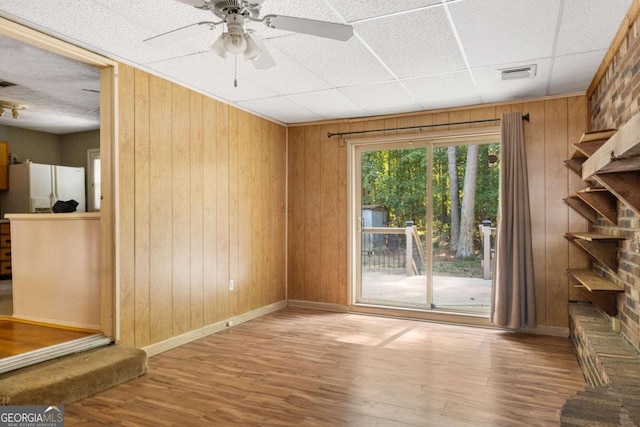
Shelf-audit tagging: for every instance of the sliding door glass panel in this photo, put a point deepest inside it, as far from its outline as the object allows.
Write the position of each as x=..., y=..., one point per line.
x=465, y=201
x=393, y=211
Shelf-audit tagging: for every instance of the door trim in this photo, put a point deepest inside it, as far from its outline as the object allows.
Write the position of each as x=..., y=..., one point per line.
x=484, y=134
x=108, y=146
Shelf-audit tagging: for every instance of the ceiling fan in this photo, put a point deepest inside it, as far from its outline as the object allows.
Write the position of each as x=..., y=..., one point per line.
x=237, y=39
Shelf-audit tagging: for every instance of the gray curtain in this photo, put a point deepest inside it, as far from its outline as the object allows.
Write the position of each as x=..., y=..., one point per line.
x=513, y=291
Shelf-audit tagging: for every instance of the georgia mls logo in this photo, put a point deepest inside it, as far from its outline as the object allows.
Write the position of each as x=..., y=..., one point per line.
x=31, y=416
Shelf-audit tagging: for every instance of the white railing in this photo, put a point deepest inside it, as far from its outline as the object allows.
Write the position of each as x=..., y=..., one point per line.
x=486, y=231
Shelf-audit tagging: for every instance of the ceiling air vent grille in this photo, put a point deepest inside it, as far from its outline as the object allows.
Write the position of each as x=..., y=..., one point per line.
x=524, y=72
x=6, y=84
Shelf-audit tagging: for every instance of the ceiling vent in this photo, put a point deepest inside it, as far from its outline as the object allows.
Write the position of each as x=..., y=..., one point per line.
x=524, y=72
x=6, y=84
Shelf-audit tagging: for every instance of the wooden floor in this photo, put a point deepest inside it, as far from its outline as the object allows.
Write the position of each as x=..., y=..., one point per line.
x=19, y=337
x=310, y=368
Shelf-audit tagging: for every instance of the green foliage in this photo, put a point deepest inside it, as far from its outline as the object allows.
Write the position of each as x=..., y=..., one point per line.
x=397, y=180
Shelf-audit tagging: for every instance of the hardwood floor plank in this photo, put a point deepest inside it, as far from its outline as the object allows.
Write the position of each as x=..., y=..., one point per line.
x=18, y=337
x=310, y=368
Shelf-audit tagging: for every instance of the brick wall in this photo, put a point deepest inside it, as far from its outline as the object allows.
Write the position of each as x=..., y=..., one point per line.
x=615, y=100
x=617, y=96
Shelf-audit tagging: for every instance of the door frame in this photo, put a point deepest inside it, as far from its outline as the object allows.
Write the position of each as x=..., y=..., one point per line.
x=108, y=148
x=485, y=134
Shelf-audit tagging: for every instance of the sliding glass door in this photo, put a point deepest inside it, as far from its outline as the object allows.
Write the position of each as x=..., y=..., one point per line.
x=426, y=216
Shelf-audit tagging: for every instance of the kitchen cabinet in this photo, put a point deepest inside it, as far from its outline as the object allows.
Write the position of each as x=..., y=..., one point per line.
x=5, y=249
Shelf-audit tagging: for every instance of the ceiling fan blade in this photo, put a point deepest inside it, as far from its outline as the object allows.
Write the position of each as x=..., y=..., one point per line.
x=194, y=3
x=179, y=34
x=325, y=29
x=264, y=60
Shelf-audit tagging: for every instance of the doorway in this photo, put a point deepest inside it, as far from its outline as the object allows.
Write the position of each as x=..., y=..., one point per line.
x=424, y=217
x=106, y=72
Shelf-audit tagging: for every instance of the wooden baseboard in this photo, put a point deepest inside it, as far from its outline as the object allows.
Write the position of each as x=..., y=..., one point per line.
x=554, y=331
x=318, y=306
x=187, y=337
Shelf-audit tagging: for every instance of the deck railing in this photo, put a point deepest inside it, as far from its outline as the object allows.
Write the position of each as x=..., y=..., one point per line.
x=390, y=248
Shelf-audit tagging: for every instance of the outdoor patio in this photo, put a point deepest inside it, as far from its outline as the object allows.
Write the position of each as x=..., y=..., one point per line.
x=464, y=294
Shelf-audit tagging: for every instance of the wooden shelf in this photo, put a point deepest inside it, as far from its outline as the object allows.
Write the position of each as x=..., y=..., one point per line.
x=600, y=291
x=600, y=247
x=598, y=135
x=575, y=162
x=592, y=202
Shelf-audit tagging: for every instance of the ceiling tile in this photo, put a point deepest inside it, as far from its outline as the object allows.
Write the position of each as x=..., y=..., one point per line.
x=382, y=98
x=338, y=63
x=416, y=44
x=279, y=78
x=573, y=73
x=203, y=73
x=492, y=89
x=92, y=26
x=352, y=10
x=499, y=32
x=589, y=24
x=444, y=90
x=329, y=104
x=280, y=109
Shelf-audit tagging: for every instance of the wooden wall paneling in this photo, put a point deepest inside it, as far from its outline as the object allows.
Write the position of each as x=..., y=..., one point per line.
x=126, y=201
x=312, y=214
x=281, y=142
x=265, y=193
x=222, y=210
x=295, y=214
x=181, y=208
x=456, y=117
x=577, y=125
x=160, y=225
x=245, y=212
x=342, y=236
x=557, y=212
x=142, y=209
x=329, y=211
x=535, y=147
x=209, y=132
x=196, y=222
x=257, y=213
x=234, y=254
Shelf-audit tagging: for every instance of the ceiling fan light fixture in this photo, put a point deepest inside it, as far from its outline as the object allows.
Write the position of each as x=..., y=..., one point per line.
x=234, y=43
x=252, y=51
x=219, y=48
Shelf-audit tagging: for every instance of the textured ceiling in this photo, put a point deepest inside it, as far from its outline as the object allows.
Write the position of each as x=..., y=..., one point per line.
x=405, y=56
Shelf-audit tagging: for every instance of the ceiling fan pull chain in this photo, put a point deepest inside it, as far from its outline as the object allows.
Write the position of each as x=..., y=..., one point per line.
x=235, y=70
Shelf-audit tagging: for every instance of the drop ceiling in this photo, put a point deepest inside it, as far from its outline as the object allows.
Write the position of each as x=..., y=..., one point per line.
x=405, y=56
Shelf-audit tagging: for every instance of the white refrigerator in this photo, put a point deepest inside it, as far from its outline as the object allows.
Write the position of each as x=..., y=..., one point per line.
x=34, y=187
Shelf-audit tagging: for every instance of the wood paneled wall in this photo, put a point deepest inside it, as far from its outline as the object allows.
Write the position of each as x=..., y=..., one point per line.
x=318, y=208
x=202, y=196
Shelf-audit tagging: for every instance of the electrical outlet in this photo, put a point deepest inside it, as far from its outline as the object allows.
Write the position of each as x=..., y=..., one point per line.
x=232, y=285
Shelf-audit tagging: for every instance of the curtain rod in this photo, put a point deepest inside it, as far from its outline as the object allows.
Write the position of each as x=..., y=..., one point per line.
x=330, y=134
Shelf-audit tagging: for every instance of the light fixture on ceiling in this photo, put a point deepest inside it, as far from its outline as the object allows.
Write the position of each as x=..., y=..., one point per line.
x=15, y=108
x=236, y=40
x=521, y=72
